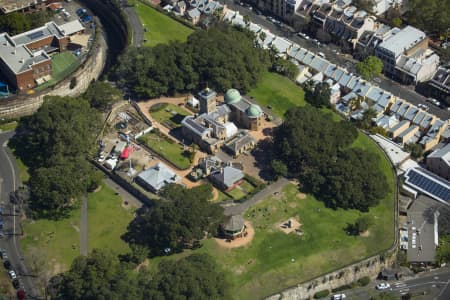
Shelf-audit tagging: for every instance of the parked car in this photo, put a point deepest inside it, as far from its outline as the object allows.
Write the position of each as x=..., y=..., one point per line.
x=21, y=294
x=7, y=264
x=16, y=283
x=12, y=274
x=338, y=297
x=3, y=254
x=321, y=54
x=383, y=286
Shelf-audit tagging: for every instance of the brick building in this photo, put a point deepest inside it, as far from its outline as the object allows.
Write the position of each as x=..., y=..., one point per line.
x=24, y=58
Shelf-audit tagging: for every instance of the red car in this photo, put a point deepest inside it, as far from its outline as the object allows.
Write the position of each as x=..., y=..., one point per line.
x=20, y=295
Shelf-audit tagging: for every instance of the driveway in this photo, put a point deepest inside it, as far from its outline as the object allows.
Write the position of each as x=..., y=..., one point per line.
x=9, y=182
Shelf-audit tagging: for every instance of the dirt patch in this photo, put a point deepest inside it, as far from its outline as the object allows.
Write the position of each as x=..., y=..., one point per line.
x=365, y=233
x=98, y=189
x=143, y=264
x=301, y=195
x=292, y=205
x=290, y=225
x=239, y=242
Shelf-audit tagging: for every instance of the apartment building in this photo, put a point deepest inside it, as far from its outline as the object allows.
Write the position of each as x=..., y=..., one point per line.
x=406, y=56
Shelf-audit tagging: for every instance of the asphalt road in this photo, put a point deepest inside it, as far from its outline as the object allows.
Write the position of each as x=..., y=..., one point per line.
x=135, y=23
x=11, y=228
x=405, y=92
x=431, y=285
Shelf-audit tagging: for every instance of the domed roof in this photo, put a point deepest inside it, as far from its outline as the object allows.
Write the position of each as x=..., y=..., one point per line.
x=232, y=96
x=254, y=111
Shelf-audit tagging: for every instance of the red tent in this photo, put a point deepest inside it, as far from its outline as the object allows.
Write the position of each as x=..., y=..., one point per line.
x=125, y=153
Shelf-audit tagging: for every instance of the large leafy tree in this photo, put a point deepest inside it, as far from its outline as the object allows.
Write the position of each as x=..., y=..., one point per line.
x=101, y=95
x=432, y=16
x=318, y=95
x=370, y=67
x=16, y=22
x=194, y=277
x=317, y=150
x=220, y=57
x=181, y=218
x=54, y=143
x=99, y=276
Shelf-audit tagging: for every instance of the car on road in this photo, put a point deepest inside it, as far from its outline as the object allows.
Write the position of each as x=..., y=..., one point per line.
x=383, y=286
x=321, y=54
x=7, y=264
x=338, y=297
x=12, y=274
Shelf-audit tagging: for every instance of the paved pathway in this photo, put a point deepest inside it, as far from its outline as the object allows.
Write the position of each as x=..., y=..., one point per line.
x=84, y=228
x=236, y=209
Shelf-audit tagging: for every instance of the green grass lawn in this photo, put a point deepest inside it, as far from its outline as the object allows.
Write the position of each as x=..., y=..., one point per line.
x=56, y=243
x=106, y=234
x=23, y=171
x=222, y=197
x=236, y=193
x=161, y=29
x=8, y=126
x=266, y=266
x=168, y=149
x=170, y=116
x=279, y=92
x=62, y=65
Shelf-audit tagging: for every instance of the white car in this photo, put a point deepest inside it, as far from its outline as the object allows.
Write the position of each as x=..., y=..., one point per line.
x=338, y=297
x=12, y=274
x=383, y=286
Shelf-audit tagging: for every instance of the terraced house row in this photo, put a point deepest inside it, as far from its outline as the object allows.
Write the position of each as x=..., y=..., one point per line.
x=353, y=95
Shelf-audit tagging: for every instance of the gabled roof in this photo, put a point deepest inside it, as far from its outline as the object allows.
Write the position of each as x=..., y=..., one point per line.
x=282, y=45
x=319, y=64
x=228, y=175
x=158, y=176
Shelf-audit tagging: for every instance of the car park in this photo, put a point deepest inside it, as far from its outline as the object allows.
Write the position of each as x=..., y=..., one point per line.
x=383, y=286
x=12, y=274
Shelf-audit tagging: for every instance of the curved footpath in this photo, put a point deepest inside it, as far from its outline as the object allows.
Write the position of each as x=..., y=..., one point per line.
x=9, y=182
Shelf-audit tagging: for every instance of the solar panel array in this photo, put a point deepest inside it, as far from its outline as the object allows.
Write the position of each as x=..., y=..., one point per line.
x=35, y=35
x=430, y=185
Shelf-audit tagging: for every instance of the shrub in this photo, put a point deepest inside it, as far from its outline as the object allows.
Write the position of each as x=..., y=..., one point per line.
x=73, y=83
x=364, y=281
x=341, y=288
x=158, y=107
x=321, y=294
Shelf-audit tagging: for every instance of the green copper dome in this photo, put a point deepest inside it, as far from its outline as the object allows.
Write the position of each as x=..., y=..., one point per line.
x=254, y=111
x=232, y=96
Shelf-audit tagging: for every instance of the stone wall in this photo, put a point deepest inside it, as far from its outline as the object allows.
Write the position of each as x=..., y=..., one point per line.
x=368, y=267
x=89, y=70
